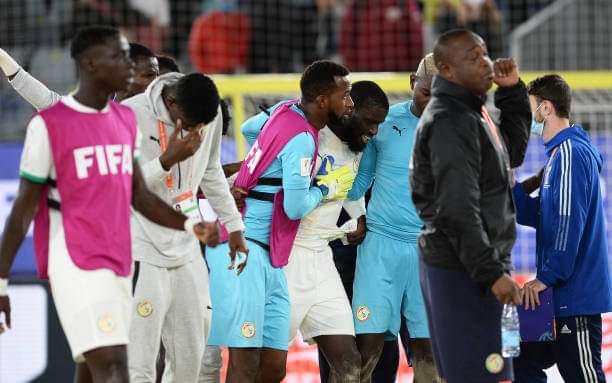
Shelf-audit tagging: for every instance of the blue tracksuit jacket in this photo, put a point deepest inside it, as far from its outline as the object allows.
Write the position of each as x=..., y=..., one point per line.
x=569, y=217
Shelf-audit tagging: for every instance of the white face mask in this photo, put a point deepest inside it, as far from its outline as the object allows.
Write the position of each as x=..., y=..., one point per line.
x=537, y=128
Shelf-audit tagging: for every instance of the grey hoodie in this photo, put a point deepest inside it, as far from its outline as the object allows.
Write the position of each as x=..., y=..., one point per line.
x=153, y=243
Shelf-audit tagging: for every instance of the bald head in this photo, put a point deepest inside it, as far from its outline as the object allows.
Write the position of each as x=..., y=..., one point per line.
x=445, y=47
x=461, y=57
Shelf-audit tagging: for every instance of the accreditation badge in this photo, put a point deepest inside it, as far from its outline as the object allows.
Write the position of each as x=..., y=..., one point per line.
x=186, y=204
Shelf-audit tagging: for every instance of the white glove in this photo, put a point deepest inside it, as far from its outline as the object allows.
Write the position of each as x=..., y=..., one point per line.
x=8, y=64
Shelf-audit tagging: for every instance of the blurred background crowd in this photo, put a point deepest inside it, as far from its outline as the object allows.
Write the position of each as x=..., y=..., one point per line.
x=273, y=36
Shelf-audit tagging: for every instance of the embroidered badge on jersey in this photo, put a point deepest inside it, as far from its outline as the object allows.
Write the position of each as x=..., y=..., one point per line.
x=362, y=314
x=144, y=308
x=247, y=330
x=106, y=323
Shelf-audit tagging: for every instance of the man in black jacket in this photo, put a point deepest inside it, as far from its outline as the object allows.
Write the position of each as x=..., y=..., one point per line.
x=460, y=182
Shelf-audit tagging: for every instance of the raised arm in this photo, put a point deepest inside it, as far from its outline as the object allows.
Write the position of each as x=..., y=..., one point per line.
x=28, y=87
x=512, y=100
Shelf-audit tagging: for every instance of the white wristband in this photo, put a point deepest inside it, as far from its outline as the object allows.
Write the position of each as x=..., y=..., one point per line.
x=3, y=286
x=190, y=224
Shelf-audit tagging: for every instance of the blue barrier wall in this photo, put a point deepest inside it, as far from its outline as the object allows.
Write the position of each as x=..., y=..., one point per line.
x=524, y=251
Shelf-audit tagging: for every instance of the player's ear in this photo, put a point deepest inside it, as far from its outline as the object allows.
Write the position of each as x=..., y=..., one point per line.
x=412, y=80
x=322, y=101
x=446, y=70
x=87, y=63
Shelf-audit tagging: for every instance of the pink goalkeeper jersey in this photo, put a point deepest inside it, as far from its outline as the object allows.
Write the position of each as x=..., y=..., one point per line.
x=92, y=154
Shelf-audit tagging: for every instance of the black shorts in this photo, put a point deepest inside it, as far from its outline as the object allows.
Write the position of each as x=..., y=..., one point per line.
x=576, y=352
x=465, y=327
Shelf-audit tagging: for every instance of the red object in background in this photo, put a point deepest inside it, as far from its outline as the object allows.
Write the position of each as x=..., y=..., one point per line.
x=381, y=35
x=219, y=42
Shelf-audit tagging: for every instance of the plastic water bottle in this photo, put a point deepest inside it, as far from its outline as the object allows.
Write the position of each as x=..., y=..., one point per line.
x=510, y=332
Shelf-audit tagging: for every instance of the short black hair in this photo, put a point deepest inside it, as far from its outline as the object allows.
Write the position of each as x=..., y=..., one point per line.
x=553, y=88
x=138, y=51
x=440, y=50
x=226, y=114
x=198, y=97
x=368, y=94
x=319, y=78
x=88, y=37
x=167, y=64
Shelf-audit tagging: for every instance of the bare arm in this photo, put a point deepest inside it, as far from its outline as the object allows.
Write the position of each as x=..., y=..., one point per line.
x=22, y=213
x=231, y=169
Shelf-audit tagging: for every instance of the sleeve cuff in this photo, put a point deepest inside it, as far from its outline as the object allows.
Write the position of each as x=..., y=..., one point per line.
x=234, y=224
x=511, y=91
x=17, y=81
x=32, y=178
x=544, y=279
x=518, y=190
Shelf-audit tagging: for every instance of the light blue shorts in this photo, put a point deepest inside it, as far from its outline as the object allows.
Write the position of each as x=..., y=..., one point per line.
x=251, y=309
x=387, y=286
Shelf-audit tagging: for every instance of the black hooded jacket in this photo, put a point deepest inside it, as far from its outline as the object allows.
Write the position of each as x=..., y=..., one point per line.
x=461, y=179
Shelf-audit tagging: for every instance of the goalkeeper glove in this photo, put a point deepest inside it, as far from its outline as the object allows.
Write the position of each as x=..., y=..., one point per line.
x=335, y=184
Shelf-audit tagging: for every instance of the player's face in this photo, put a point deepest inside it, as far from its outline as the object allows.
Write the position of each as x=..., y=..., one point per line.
x=364, y=125
x=340, y=103
x=111, y=65
x=470, y=64
x=146, y=69
x=421, y=92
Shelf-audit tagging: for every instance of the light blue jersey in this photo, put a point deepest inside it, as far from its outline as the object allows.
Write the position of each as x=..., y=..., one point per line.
x=292, y=165
x=385, y=161
x=386, y=285
x=252, y=127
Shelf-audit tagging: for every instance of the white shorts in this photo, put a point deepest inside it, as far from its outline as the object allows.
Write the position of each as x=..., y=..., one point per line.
x=93, y=305
x=319, y=305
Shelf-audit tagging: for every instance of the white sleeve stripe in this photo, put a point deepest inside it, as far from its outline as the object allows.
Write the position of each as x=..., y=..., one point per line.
x=568, y=202
x=565, y=196
x=562, y=231
x=563, y=181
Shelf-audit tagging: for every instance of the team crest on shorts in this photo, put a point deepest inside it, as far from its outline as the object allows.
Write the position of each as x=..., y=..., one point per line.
x=362, y=313
x=144, y=308
x=106, y=323
x=494, y=363
x=247, y=330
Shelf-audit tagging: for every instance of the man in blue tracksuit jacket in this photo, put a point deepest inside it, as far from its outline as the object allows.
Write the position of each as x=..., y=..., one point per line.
x=572, y=248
